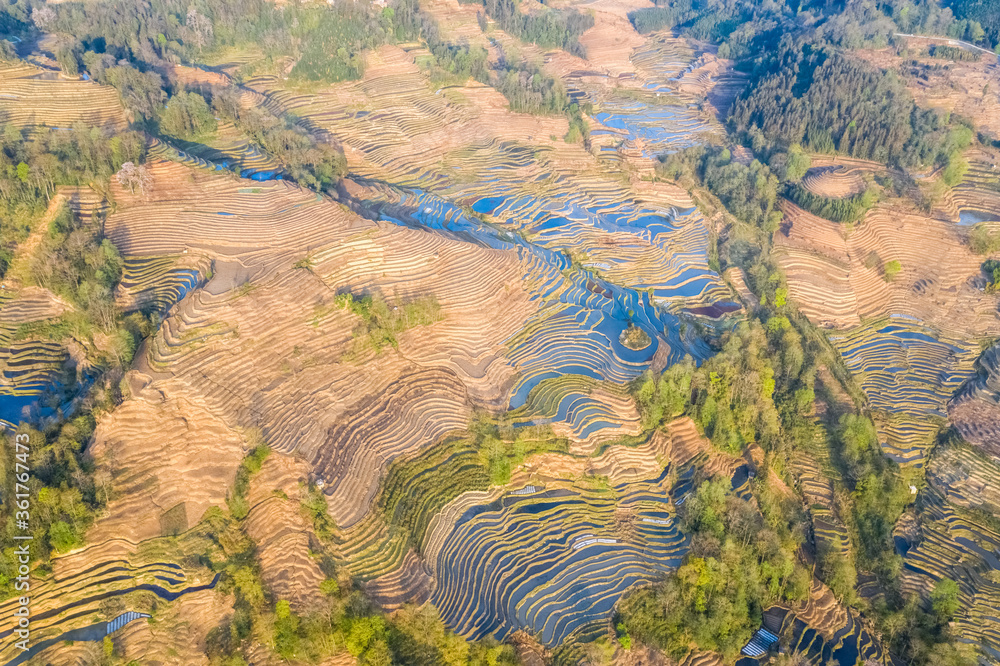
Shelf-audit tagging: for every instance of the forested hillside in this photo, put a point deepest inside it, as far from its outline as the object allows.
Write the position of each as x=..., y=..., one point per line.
x=745, y=29
x=827, y=101
x=983, y=20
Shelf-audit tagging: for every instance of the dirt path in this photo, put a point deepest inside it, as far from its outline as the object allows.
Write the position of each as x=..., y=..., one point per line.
x=19, y=271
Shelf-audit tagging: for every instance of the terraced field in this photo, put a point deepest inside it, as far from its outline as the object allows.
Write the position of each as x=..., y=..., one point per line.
x=538, y=256
x=587, y=529
x=977, y=198
x=961, y=546
x=23, y=88
x=585, y=411
x=552, y=560
x=911, y=338
x=149, y=577
x=837, y=276
x=530, y=260
x=158, y=282
x=233, y=222
x=640, y=250
x=909, y=372
x=833, y=182
x=975, y=410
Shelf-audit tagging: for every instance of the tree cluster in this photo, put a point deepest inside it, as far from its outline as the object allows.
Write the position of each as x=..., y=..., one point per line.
x=307, y=160
x=380, y=322
x=744, y=29
x=847, y=209
x=459, y=61
x=32, y=168
x=738, y=566
x=740, y=27
x=955, y=53
x=829, y=102
x=530, y=90
x=15, y=17
x=66, y=497
x=748, y=192
x=660, y=17
x=74, y=262
x=187, y=116
x=549, y=28
x=980, y=20
x=141, y=91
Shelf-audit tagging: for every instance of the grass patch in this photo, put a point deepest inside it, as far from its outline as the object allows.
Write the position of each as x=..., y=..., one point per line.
x=381, y=322
x=985, y=238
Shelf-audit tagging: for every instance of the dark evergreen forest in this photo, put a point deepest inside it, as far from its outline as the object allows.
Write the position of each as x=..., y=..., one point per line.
x=830, y=102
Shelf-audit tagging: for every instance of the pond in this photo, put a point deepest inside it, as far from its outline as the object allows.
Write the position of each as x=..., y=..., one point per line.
x=968, y=217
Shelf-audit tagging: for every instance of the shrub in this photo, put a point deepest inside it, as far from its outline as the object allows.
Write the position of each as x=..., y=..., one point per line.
x=62, y=537
x=985, y=238
x=330, y=587
x=237, y=500
x=314, y=506
x=7, y=51
x=623, y=636
x=945, y=599
x=286, y=624
x=955, y=170
x=992, y=270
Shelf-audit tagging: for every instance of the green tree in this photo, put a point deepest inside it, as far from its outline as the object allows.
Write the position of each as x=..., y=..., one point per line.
x=737, y=566
x=286, y=623
x=7, y=51
x=187, y=116
x=62, y=537
x=799, y=163
x=945, y=599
